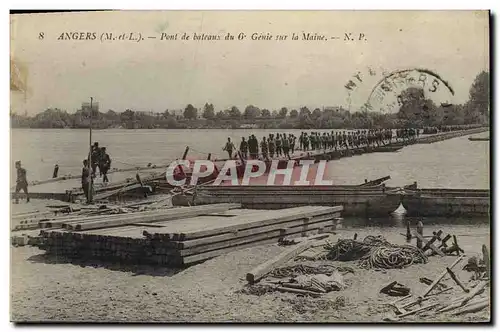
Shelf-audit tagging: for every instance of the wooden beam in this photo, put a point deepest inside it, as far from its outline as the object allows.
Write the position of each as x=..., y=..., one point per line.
x=441, y=276
x=246, y=232
x=474, y=307
x=169, y=214
x=298, y=291
x=252, y=238
x=475, y=291
x=258, y=272
x=430, y=245
x=273, y=217
x=443, y=241
x=427, y=307
x=455, y=278
x=214, y=253
x=432, y=240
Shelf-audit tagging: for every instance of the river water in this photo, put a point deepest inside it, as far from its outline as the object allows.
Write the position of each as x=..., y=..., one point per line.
x=455, y=163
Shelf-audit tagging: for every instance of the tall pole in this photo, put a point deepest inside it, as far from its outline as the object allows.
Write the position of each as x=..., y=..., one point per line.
x=90, y=154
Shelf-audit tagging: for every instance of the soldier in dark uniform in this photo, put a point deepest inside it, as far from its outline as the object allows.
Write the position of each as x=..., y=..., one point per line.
x=95, y=156
x=278, y=145
x=104, y=164
x=271, y=145
x=292, y=142
x=264, y=148
x=244, y=148
x=285, y=144
x=229, y=147
x=86, y=180
x=21, y=182
x=305, y=142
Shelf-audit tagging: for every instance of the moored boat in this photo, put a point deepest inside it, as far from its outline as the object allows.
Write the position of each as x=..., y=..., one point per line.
x=357, y=201
x=446, y=202
x=479, y=138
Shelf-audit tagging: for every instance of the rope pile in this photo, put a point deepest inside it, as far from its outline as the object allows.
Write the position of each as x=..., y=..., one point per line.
x=376, y=252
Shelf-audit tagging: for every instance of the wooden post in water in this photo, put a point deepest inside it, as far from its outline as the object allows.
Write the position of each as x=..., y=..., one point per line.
x=420, y=230
x=408, y=232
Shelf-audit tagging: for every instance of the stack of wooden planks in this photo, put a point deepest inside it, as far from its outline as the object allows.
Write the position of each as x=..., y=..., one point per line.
x=180, y=236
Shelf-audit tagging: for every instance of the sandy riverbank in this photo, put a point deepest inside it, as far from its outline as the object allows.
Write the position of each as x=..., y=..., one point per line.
x=52, y=289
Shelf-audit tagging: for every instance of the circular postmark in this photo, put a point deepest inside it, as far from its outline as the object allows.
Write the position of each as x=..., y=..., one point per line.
x=384, y=92
x=386, y=95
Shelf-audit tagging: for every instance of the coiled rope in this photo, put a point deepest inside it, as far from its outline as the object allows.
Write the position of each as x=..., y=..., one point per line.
x=376, y=252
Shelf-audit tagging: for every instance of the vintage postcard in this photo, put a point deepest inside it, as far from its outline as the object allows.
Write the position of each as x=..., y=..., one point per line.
x=250, y=166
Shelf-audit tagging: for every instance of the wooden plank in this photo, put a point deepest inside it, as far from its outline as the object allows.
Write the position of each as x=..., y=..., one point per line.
x=58, y=222
x=248, y=232
x=427, y=307
x=455, y=278
x=428, y=244
x=475, y=291
x=175, y=213
x=71, y=222
x=435, y=237
x=474, y=307
x=375, y=182
x=257, y=215
x=215, y=253
x=254, y=222
x=258, y=272
x=256, y=237
x=441, y=276
x=298, y=291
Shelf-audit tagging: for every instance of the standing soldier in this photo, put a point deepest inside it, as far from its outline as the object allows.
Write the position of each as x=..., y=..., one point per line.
x=21, y=182
x=95, y=156
x=278, y=145
x=244, y=148
x=271, y=145
x=286, y=146
x=292, y=143
x=56, y=170
x=86, y=180
x=305, y=142
x=229, y=147
x=104, y=165
x=264, y=148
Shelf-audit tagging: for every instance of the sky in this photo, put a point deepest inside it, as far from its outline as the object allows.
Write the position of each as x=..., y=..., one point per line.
x=154, y=74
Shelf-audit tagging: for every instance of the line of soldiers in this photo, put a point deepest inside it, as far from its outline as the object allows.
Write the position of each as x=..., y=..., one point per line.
x=279, y=145
x=442, y=128
x=282, y=144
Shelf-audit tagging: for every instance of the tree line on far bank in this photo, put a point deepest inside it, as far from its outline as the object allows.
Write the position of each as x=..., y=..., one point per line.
x=415, y=111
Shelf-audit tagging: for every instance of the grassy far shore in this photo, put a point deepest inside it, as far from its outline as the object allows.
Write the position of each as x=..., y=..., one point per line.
x=415, y=110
